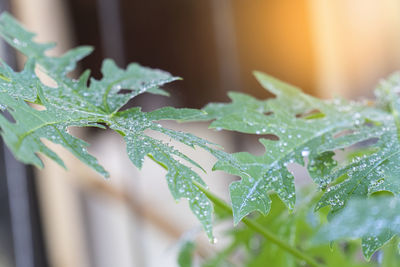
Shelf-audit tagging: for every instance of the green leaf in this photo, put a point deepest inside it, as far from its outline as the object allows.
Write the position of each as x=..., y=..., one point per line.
x=96, y=103
x=375, y=219
x=297, y=228
x=367, y=174
x=304, y=126
x=371, y=242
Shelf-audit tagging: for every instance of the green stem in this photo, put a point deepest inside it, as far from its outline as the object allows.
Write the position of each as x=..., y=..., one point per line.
x=259, y=228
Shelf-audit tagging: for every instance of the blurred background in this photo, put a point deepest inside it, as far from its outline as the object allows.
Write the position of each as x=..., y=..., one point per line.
x=75, y=218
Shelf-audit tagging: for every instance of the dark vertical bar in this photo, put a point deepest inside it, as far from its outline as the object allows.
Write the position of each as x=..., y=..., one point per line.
x=18, y=187
x=6, y=240
x=110, y=26
x=19, y=210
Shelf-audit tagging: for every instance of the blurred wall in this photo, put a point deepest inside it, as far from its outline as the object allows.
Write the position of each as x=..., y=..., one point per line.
x=274, y=36
x=183, y=37
x=356, y=43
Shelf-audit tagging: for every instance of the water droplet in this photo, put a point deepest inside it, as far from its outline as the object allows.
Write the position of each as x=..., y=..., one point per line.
x=305, y=153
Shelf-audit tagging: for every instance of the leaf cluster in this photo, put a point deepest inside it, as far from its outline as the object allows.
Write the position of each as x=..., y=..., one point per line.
x=294, y=128
x=310, y=132
x=87, y=102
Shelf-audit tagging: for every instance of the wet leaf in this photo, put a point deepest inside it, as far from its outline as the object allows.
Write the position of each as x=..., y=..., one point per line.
x=95, y=103
x=305, y=127
x=377, y=220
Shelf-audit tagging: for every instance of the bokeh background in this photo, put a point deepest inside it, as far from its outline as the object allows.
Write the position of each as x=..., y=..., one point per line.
x=75, y=218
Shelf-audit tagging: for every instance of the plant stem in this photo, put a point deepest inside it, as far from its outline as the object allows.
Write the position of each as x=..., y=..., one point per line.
x=259, y=228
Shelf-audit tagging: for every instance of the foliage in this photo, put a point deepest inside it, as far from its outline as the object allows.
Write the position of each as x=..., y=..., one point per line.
x=377, y=216
x=75, y=103
x=294, y=128
x=304, y=126
x=247, y=248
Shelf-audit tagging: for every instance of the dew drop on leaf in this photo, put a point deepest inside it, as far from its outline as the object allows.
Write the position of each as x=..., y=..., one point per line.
x=305, y=153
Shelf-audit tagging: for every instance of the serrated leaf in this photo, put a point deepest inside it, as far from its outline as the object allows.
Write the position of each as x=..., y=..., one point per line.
x=376, y=220
x=296, y=228
x=373, y=172
x=367, y=175
x=89, y=102
x=302, y=123
x=371, y=242
x=24, y=136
